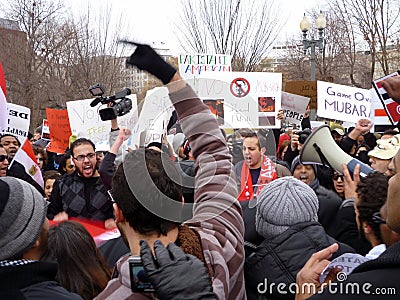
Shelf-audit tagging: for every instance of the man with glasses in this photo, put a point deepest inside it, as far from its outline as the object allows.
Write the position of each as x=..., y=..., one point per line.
x=3, y=161
x=82, y=193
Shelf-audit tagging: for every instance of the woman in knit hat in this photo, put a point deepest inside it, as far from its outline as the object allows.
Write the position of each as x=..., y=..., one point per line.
x=287, y=214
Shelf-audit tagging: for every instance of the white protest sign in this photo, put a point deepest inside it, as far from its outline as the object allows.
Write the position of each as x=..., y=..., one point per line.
x=85, y=120
x=344, y=103
x=192, y=65
x=294, y=107
x=18, y=122
x=346, y=262
x=241, y=99
x=154, y=116
x=45, y=130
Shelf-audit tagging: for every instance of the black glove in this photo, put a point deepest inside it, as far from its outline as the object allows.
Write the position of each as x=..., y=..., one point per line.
x=145, y=58
x=174, y=274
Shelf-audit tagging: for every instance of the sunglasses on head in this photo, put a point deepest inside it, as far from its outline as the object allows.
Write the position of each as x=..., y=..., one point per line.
x=3, y=157
x=377, y=219
x=336, y=176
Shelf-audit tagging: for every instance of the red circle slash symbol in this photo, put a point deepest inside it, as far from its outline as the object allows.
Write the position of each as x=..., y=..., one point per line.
x=240, y=87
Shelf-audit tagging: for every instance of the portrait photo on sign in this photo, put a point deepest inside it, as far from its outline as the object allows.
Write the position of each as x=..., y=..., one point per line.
x=266, y=104
x=216, y=106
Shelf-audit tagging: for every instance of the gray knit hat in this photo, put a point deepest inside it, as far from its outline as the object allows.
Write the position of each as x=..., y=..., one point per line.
x=296, y=161
x=282, y=203
x=22, y=214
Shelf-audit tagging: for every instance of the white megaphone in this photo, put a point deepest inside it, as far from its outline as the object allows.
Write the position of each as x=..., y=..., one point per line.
x=320, y=148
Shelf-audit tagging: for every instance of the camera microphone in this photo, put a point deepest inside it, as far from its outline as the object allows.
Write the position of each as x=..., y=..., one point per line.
x=95, y=102
x=123, y=93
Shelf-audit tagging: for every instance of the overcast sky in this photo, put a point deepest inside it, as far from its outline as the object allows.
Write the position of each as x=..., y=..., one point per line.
x=151, y=20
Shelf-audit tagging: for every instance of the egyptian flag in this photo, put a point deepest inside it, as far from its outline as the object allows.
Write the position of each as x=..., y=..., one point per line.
x=3, y=102
x=26, y=157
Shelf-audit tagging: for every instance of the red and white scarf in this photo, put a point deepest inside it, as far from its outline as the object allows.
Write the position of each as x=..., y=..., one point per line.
x=267, y=174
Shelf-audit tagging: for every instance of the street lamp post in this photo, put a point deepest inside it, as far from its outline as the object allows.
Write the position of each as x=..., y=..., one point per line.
x=305, y=25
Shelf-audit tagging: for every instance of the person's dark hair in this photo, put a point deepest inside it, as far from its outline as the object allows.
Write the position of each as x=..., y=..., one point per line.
x=154, y=144
x=161, y=171
x=51, y=174
x=63, y=162
x=81, y=141
x=81, y=267
x=261, y=140
x=8, y=134
x=390, y=132
x=372, y=192
x=39, y=150
x=282, y=147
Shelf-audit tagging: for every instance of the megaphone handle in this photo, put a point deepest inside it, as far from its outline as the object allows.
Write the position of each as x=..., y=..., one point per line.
x=364, y=169
x=322, y=157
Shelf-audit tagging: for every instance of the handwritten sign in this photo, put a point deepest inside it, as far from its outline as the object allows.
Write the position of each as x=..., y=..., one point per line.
x=303, y=88
x=192, y=65
x=85, y=120
x=154, y=116
x=18, y=121
x=344, y=103
x=250, y=100
x=59, y=128
x=294, y=107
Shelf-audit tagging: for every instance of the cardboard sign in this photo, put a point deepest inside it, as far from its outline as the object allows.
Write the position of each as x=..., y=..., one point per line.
x=391, y=107
x=344, y=103
x=60, y=130
x=194, y=65
x=303, y=88
x=245, y=100
x=85, y=120
x=18, y=121
x=294, y=107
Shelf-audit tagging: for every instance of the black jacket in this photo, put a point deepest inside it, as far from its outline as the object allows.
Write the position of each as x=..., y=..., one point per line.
x=280, y=259
x=379, y=277
x=34, y=280
x=69, y=195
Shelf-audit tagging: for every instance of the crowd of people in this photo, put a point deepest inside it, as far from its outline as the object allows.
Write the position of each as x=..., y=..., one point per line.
x=210, y=216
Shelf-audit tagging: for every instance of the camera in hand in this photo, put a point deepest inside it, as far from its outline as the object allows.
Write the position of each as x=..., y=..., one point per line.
x=139, y=280
x=303, y=135
x=117, y=109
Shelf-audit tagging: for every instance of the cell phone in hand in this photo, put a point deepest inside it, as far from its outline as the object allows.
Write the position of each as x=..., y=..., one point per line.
x=139, y=280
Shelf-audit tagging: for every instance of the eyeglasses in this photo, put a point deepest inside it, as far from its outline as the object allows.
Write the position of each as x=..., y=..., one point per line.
x=109, y=192
x=82, y=157
x=377, y=219
x=336, y=176
x=3, y=158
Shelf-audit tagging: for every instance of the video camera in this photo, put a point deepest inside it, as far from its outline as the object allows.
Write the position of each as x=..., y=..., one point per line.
x=117, y=109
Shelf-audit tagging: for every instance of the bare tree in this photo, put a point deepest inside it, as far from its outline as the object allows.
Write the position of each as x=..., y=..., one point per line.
x=58, y=58
x=376, y=23
x=243, y=29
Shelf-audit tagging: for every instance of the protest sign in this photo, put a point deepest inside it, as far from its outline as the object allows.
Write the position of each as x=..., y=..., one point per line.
x=85, y=120
x=18, y=121
x=241, y=99
x=59, y=128
x=344, y=103
x=294, y=107
x=154, y=116
x=303, y=88
x=391, y=107
x=193, y=65
x=45, y=130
